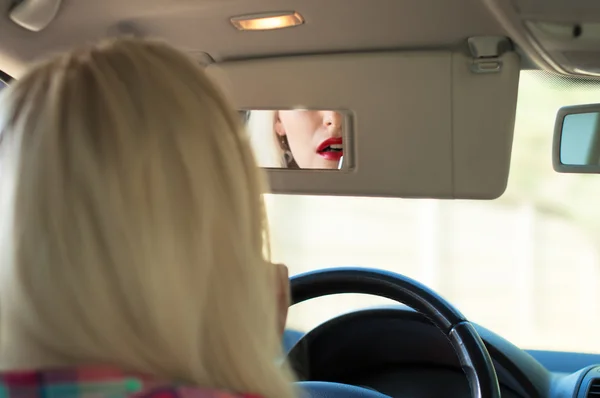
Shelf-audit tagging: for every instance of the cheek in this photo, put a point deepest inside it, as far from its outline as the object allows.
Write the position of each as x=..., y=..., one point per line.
x=300, y=145
x=302, y=148
x=297, y=134
x=299, y=130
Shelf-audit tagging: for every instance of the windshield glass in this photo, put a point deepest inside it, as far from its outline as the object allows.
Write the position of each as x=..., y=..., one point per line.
x=526, y=266
x=4, y=79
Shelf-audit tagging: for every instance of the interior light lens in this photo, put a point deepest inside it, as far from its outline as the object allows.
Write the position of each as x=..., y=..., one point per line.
x=268, y=21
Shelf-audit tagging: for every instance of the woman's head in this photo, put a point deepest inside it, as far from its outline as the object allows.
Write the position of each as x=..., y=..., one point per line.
x=132, y=226
x=297, y=138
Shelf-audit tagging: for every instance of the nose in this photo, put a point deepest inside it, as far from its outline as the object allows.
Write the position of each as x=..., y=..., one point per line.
x=332, y=120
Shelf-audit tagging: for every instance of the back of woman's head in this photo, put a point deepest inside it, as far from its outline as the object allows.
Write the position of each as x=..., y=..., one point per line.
x=132, y=223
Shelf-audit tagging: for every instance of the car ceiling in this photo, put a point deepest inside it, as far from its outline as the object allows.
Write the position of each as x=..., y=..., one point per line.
x=202, y=26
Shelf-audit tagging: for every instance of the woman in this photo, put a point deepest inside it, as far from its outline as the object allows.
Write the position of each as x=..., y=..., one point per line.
x=132, y=234
x=296, y=138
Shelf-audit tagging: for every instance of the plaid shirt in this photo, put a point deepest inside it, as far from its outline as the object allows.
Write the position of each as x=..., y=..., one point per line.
x=96, y=382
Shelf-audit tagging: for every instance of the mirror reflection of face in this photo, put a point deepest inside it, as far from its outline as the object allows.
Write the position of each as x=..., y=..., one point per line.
x=314, y=137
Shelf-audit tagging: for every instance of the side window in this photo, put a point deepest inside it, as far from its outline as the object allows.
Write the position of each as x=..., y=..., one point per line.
x=4, y=79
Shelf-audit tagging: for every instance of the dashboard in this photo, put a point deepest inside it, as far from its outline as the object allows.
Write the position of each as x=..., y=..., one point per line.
x=398, y=352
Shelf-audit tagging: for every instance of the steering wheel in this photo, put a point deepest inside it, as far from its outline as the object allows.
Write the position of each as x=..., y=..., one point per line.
x=472, y=353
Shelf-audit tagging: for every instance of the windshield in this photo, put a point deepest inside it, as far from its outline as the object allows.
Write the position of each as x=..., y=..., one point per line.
x=526, y=266
x=4, y=79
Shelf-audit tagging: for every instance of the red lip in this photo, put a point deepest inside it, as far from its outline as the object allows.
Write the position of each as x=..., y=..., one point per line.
x=330, y=155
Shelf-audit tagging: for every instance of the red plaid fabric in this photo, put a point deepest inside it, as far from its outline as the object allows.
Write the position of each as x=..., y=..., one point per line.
x=97, y=382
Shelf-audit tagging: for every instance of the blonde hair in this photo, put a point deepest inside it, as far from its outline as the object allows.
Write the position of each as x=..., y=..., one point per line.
x=132, y=223
x=265, y=143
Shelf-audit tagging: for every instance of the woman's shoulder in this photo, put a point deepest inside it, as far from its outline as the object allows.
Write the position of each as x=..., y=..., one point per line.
x=98, y=382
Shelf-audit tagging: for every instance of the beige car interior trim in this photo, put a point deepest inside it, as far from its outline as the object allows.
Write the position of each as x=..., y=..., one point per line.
x=424, y=124
x=331, y=26
x=558, y=35
x=509, y=18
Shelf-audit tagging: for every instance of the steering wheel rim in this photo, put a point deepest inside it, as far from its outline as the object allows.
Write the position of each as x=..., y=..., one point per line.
x=471, y=351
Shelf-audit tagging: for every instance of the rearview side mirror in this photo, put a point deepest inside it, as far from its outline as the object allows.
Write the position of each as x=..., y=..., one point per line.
x=576, y=144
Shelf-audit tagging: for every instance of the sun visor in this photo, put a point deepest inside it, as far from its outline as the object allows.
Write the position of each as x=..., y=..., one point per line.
x=435, y=124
